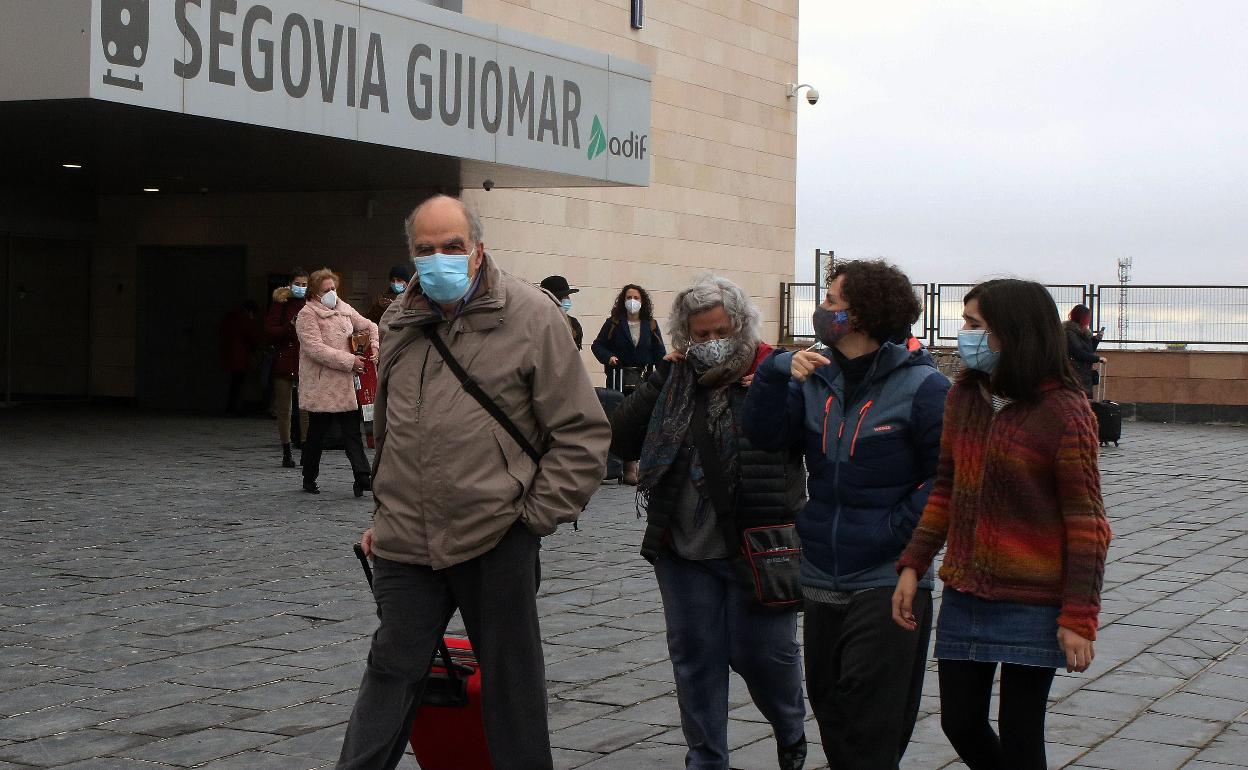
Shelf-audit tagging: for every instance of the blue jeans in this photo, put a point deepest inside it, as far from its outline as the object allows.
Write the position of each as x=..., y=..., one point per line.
x=713, y=623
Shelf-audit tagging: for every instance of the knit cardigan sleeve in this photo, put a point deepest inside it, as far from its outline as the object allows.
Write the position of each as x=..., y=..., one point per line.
x=933, y=527
x=1087, y=528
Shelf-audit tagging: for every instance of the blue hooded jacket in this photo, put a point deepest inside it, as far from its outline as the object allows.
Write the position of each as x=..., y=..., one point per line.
x=871, y=463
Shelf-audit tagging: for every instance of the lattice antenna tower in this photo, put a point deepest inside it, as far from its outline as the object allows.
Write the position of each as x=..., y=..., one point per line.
x=1124, y=278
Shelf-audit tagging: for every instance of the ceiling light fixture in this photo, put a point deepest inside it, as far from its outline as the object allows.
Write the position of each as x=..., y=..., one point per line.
x=151, y=189
x=71, y=165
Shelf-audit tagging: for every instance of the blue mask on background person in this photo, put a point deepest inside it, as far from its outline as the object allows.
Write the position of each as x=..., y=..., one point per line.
x=299, y=291
x=443, y=277
x=974, y=350
x=398, y=288
x=831, y=325
x=566, y=303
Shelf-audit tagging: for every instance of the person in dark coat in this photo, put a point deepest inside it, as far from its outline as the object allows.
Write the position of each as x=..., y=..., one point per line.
x=630, y=336
x=714, y=620
x=399, y=277
x=559, y=287
x=240, y=334
x=868, y=408
x=629, y=341
x=279, y=329
x=1081, y=345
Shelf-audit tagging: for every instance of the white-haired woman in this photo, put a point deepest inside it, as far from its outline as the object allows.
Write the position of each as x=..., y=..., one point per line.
x=694, y=525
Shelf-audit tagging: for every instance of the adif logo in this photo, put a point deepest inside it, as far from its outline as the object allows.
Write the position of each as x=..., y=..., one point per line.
x=597, y=139
x=124, y=34
x=632, y=147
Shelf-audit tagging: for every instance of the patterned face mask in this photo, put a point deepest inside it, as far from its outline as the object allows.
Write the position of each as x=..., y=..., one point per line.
x=712, y=353
x=831, y=325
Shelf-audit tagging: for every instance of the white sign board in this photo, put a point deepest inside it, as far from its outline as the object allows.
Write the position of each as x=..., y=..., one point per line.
x=388, y=72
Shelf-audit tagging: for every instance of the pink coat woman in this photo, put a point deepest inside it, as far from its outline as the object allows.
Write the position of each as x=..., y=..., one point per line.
x=326, y=363
x=327, y=368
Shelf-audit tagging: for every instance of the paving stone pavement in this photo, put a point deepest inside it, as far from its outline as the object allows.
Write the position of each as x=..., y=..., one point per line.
x=169, y=599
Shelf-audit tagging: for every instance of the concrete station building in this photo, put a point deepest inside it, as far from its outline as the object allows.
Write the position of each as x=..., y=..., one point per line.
x=165, y=159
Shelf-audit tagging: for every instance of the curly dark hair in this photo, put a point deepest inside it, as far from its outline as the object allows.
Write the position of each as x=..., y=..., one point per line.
x=881, y=299
x=620, y=315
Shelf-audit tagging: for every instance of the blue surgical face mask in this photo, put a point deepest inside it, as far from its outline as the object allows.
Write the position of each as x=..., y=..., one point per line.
x=398, y=288
x=567, y=304
x=299, y=291
x=974, y=350
x=443, y=277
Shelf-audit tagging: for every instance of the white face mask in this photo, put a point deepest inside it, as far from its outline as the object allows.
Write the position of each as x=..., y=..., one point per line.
x=633, y=306
x=330, y=299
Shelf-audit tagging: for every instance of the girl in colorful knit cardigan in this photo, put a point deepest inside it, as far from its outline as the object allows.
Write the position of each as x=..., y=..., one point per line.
x=1017, y=498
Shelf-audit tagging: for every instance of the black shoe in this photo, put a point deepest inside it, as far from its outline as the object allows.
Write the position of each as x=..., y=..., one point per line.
x=361, y=486
x=793, y=757
x=311, y=487
x=287, y=460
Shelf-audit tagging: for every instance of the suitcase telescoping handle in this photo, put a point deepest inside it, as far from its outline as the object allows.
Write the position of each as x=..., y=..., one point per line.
x=454, y=672
x=1104, y=381
x=368, y=569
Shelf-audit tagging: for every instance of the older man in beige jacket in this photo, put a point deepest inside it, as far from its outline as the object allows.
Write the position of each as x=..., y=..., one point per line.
x=461, y=506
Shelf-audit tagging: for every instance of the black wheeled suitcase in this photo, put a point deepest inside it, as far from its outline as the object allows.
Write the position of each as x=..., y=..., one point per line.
x=1108, y=416
x=610, y=399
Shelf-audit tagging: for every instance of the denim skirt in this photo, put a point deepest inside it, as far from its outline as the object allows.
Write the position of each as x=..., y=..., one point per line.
x=971, y=628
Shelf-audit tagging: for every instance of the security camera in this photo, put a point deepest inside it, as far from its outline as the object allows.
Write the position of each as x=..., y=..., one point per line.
x=488, y=185
x=812, y=94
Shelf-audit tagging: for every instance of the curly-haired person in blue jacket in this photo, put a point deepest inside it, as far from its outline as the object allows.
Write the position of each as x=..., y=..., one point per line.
x=867, y=408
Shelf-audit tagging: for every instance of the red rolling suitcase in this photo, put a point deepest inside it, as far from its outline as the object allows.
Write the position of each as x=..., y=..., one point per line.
x=449, y=733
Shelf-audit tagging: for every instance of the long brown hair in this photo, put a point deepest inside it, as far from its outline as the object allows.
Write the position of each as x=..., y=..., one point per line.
x=1024, y=318
x=620, y=315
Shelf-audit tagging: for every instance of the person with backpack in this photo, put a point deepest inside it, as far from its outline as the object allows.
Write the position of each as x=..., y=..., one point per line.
x=867, y=408
x=628, y=345
x=1017, y=501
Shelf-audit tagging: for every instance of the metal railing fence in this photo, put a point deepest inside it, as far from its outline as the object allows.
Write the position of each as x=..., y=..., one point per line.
x=1176, y=316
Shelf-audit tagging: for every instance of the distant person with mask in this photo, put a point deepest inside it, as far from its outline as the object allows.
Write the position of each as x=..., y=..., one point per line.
x=558, y=286
x=327, y=369
x=398, y=277
x=629, y=342
x=279, y=329
x=1081, y=345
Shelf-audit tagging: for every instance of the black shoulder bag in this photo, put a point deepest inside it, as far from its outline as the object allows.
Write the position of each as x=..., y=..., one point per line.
x=474, y=390
x=772, y=553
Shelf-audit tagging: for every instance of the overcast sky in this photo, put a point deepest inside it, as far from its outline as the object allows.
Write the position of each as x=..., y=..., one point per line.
x=1041, y=138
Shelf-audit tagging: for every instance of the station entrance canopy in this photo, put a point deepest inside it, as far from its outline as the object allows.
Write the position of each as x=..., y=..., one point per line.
x=310, y=94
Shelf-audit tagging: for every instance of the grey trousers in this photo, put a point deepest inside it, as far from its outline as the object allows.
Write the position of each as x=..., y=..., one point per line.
x=496, y=594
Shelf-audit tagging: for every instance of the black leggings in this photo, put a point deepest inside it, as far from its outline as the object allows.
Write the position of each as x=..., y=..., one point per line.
x=349, y=426
x=965, y=691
